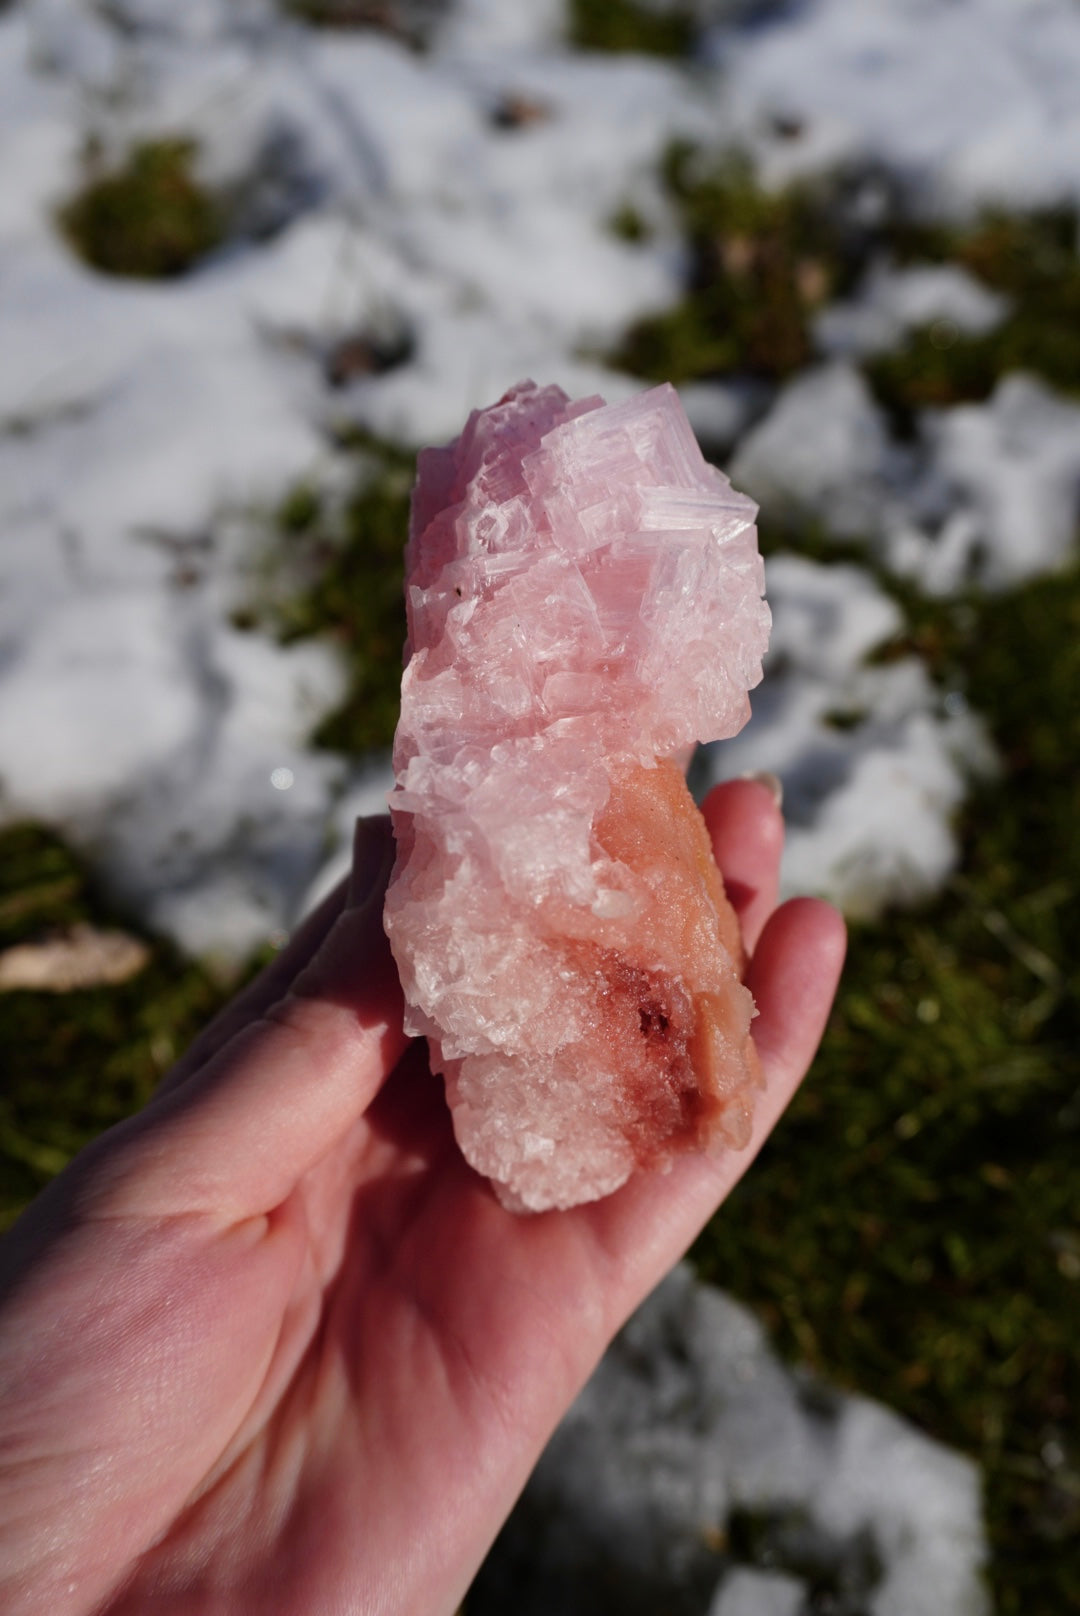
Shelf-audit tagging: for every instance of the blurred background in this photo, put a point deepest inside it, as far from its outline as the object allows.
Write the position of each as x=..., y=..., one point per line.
x=253, y=253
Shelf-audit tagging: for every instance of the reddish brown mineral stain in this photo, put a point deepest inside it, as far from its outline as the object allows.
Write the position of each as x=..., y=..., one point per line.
x=671, y=1004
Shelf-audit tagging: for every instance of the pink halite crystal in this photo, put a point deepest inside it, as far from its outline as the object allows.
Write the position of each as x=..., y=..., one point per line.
x=584, y=602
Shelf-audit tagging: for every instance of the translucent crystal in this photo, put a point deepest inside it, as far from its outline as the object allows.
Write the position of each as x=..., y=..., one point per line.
x=584, y=602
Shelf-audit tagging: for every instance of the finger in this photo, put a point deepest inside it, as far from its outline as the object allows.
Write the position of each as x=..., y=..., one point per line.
x=286, y=1087
x=646, y=1226
x=330, y=973
x=371, y=848
x=794, y=976
x=268, y=987
x=747, y=831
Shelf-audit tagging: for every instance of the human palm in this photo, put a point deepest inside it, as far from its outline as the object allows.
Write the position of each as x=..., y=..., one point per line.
x=272, y=1346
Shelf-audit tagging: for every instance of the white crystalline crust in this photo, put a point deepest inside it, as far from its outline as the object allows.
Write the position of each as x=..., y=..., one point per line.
x=583, y=593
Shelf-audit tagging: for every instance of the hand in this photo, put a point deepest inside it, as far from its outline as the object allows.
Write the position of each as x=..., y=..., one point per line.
x=272, y=1347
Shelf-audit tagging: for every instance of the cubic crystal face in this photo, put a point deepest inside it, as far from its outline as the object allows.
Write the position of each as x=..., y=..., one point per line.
x=584, y=603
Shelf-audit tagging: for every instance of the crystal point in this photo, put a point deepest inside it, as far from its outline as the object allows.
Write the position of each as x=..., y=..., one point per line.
x=584, y=603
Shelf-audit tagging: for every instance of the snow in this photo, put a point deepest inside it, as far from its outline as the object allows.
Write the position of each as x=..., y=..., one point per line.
x=758, y=1593
x=1012, y=466
x=969, y=102
x=874, y=759
x=822, y=451
x=377, y=194
x=689, y=1419
x=120, y=654
x=137, y=418
x=990, y=493
x=894, y=302
x=719, y=412
x=481, y=28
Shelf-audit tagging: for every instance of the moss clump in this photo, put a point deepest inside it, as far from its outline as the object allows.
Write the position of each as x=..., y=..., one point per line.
x=1032, y=259
x=933, y=368
x=628, y=224
x=406, y=20
x=150, y=219
x=622, y=25
x=335, y=568
x=760, y=264
x=76, y=1063
x=840, y=1575
x=913, y=1231
x=339, y=13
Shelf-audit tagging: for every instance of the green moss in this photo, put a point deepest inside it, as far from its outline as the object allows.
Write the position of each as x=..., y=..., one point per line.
x=75, y=1063
x=840, y=1576
x=1031, y=259
x=335, y=568
x=622, y=25
x=629, y=224
x=932, y=369
x=760, y=264
x=331, y=13
x=150, y=219
x=913, y=1229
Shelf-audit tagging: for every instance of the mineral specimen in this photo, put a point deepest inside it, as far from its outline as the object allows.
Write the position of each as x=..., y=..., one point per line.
x=584, y=602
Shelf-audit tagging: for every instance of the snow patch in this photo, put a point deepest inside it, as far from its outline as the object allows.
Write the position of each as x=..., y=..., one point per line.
x=689, y=1421
x=893, y=302
x=989, y=494
x=874, y=759
x=969, y=103
x=822, y=453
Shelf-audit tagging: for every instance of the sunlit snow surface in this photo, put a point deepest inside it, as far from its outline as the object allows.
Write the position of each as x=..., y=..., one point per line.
x=969, y=101
x=143, y=425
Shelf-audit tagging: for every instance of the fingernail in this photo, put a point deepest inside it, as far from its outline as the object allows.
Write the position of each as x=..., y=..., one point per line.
x=772, y=783
x=373, y=857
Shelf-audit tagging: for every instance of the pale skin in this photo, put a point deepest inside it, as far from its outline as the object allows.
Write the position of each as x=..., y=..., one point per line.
x=272, y=1347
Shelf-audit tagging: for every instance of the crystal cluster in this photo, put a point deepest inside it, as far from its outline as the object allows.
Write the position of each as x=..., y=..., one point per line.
x=584, y=602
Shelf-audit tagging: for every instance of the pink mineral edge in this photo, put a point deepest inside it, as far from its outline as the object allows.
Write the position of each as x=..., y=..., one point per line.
x=583, y=592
